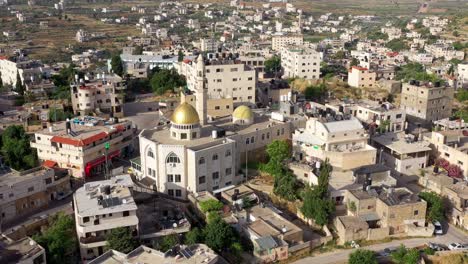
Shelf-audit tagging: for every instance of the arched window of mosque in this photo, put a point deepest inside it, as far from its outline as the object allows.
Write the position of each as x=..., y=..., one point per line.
x=172, y=158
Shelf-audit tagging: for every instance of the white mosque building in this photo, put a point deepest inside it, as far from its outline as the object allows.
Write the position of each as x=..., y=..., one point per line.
x=194, y=154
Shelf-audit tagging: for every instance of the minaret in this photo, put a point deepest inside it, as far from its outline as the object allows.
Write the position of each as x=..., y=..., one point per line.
x=201, y=91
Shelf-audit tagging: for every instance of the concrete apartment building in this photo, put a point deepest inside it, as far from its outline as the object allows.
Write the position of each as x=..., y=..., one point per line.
x=193, y=254
x=224, y=78
x=361, y=77
x=426, y=102
x=342, y=142
x=377, y=213
x=30, y=190
x=280, y=41
x=21, y=251
x=79, y=145
x=457, y=194
x=402, y=153
x=300, y=62
x=383, y=117
x=102, y=95
x=208, y=45
x=451, y=145
x=101, y=206
x=462, y=75
x=30, y=71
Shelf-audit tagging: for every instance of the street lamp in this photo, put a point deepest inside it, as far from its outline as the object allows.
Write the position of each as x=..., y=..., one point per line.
x=106, y=147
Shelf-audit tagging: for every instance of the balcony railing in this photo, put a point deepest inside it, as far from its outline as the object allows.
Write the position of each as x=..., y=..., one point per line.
x=92, y=239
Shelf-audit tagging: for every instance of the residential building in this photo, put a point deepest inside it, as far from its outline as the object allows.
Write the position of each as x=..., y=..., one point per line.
x=342, y=142
x=225, y=78
x=23, y=192
x=392, y=32
x=402, y=153
x=361, y=77
x=462, y=75
x=139, y=65
x=82, y=36
x=102, y=95
x=30, y=71
x=452, y=146
x=80, y=145
x=101, y=206
x=300, y=62
x=423, y=58
x=383, y=117
x=444, y=50
x=193, y=254
x=21, y=251
x=280, y=41
x=427, y=102
x=457, y=195
x=208, y=45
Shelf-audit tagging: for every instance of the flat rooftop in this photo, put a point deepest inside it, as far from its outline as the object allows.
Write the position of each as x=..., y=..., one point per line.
x=17, y=251
x=460, y=188
x=398, y=143
x=120, y=198
x=194, y=254
x=397, y=196
x=163, y=136
x=10, y=177
x=271, y=223
x=353, y=222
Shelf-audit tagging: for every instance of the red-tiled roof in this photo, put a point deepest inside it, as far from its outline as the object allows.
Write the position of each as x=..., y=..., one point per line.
x=49, y=163
x=3, y=58
x=359, y=68
x=186, y=61
x=79, y=142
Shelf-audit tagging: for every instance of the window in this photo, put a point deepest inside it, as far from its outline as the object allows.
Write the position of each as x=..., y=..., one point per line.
x=126, y=213
x=202, y=180
x=228, y=183
x=416, y=212
x=201, y=160
x=398, y=116
x=447, y=155
x=31, y=189
x=172, y=158
x=250, y=79
x=149, y=171
x=85, y=219
x=247, y=141
x=228, y=171
x=215, y=157
x=183, y=135
x=178, y=193
x=228, y=153
x=150, y=153
x=170, y=192
x=170, y=178
x=177, y=178
x=48, y=181
x=215, y=175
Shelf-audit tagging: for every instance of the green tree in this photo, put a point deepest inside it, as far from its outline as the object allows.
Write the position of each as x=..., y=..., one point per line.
x=405, y=256
x=316, y=204
x=194, y=236
x=415, y=71
x=16, y=149
x=58, y=115
x=397, y=45
x=117, y=65
x=354, y=62
x=362, y=256
x=19, y=88
x=59, y=240
x=285, y=186
x=329, y=71
x=376, y=35
x=457, y=45
x=435, y=206
x=339, y=55
x=314, y=92
x=166, y=80
x=456, y=34
x=180, y=56
x=462, y=95
x=273, y=65
x=219, y=235
x=463, y=114
x=210, y=205
x=121, y=239
x=167, y=243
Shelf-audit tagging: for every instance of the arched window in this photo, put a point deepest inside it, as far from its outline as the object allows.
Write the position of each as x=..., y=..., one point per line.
x=201, y=160
x=172, y=158
x=150, y=153
x=215, y=157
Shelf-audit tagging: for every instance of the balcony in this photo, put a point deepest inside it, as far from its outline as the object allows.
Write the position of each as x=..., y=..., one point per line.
x=92, y=239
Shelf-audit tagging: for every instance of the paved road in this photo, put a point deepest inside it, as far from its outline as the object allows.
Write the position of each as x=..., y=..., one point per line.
x=340, y=256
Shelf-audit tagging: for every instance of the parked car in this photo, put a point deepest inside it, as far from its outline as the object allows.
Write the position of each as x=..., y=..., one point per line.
x=386, y=252
x=457, y=246
x=437, y=247
x=63, y=195
x=438, y=228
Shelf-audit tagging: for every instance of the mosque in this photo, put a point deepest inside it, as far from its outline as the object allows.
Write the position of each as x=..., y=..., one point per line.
x=196, y=153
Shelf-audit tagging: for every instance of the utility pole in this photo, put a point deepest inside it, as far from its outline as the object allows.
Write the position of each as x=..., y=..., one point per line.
x=106, y=147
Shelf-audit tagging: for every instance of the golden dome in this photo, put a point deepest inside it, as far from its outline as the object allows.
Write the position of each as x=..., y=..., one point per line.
x=185, y=114
x=243, y=112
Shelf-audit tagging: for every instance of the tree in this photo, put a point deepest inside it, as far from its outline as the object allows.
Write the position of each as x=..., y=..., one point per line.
x=16, y=149
x=219, y=235
x=19, y=88
x=166, y=80
x=415, y=71
x=462, y=95
x=210, y=205
x=180, y=56
x=435, y=206
x=58, y=115
x=354, y=62
x=397, y=45
x=273, y=65
x=404, y=256
x=121, y=239
x=362, y=256
x=194, y=236
x=376, y=35
x=314, y=92
x=285, y=186
x=329, y=71
x=117, y=65
x=339, y=55
x=167, y=243
x=59, y=240
x=457, y=45
x=277, y=152
x=316, y=204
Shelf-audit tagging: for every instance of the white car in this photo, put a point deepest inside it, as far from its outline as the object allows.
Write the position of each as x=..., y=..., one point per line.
x=438, y=228
x=457, y=246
